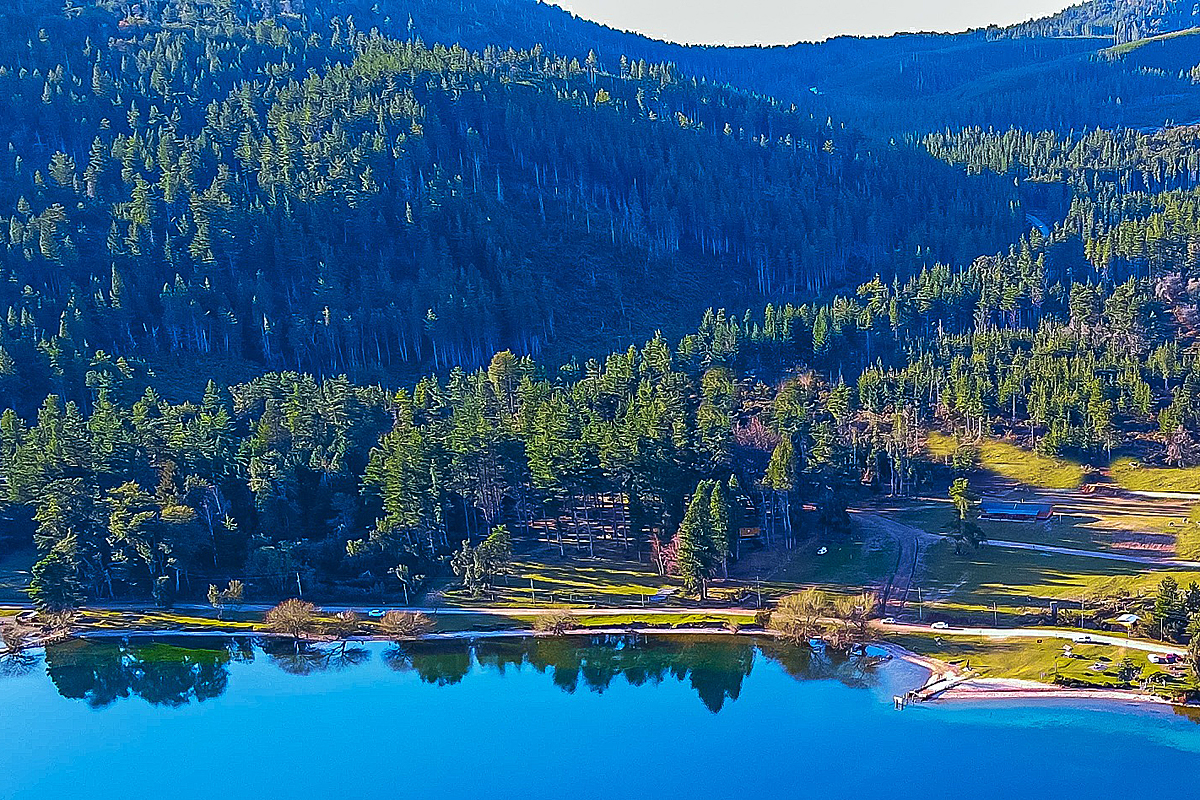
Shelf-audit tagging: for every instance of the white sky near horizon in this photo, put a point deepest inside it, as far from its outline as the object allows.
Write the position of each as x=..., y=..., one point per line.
x=788, y=21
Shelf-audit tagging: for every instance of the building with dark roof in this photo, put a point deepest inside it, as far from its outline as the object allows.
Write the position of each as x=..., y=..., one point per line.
x=1015, y=512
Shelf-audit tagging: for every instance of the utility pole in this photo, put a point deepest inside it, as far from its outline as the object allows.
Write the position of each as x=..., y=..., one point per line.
x=299, y=588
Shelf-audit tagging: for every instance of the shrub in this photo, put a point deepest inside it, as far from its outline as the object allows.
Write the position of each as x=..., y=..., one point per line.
x=16, y=638
x=555, y=622
x=797, y=617
x=295, y=618
x=405, y=624
x=344, y=624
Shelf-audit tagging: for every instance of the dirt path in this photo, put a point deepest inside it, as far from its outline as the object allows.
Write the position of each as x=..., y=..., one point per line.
x=912, y=542
x=491, y=611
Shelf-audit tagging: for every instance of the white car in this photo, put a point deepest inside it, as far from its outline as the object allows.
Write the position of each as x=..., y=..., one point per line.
x=939, y=626
x=888, y=620
x=375, y=613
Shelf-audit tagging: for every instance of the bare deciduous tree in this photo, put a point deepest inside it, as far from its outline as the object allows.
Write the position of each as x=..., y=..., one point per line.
x=295, y=618
x=405, y=624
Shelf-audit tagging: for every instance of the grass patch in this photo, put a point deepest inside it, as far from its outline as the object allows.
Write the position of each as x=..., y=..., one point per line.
x=941, y=445
x=554, y=581
x=706, y=620
x=849, y=564
x=1125, y=49
x=449, y=622
x=1022, y=583
x=1091, y=665
x=1187, y=540
x=1029, y=468
x=108, y=619
x=1133, y=476
x=1010, y=461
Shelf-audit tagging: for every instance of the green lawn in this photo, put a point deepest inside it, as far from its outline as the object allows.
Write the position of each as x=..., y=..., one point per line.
x=1011, y=461
x=850, y=564
x=583, y=619
x=1043, y=660
x=1086, y=527
x=1133, y=476
x=1030, y=468
x=555, y=581
x=1187, y=540
x=962, y=587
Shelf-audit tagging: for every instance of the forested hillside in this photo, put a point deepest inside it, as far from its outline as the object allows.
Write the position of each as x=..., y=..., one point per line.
x=1081, y=344
x=1123, y=20
x=465, y=273
x=1056, y=73
x=336, y=201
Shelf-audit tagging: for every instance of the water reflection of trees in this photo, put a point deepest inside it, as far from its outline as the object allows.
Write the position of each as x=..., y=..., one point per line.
x=715, y=667
x=101, y=672
x=14, y=665
x=170, y=674
x=302, y=658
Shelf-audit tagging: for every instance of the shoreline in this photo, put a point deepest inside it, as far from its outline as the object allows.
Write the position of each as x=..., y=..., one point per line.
x=959, y=687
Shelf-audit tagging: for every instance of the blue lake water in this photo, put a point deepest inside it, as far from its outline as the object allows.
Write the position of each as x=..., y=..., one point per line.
x=564, y=718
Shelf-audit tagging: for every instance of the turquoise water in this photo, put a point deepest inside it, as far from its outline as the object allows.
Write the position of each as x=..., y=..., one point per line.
x=563, y=718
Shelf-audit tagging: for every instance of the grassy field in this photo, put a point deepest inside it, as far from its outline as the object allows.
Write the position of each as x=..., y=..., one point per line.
x=941, y=445
x=558, y=581
x=1092, y=665
x=582, y=619
x=1029, y=468
x=1022, y=583
x=849, y=564
x=1187, y=540
x=443, y=621
x=1087, y=527
x=1137, y=478
x=1013, y=462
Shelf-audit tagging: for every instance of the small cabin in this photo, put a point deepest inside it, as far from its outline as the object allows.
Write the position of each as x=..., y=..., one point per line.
x=1015, y=512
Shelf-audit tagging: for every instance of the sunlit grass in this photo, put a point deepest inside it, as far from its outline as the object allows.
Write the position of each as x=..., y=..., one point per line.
x=940, y=445
x=1042, y=660
x=1029, y=468
x=1131, y=475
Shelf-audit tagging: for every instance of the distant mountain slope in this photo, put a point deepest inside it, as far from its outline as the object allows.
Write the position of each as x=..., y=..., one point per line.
x=296, y=192
x=1121, y=20
x=1044, y=75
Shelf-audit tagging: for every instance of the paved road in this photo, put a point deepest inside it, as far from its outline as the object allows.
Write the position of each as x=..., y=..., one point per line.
x=1107, y=556
x=491, y=611
x=1042, y=633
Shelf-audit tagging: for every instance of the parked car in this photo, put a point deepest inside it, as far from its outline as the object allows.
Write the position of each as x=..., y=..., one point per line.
x=937, y=626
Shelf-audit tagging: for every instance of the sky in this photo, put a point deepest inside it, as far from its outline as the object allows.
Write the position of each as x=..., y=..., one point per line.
x=790, y=21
